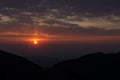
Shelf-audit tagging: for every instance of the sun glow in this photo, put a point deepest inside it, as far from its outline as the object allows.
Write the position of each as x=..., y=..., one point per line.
x=35, y=42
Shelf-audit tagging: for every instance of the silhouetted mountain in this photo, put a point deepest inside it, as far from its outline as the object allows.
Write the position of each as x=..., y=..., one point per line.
x=17, y=68
x=97, y=66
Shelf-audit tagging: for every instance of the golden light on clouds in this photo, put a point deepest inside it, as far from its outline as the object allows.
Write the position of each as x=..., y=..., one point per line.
x=36, y=41
x=103, y=22
x=6, y=19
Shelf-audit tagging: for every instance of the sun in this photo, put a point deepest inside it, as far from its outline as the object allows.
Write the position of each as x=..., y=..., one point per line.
x=35, y=42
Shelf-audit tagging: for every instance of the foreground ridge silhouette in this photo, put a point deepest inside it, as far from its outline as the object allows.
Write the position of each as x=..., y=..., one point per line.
x=95, y=66
x=13, y=67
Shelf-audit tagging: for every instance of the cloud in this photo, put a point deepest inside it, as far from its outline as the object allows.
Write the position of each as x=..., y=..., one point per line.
x=70, y=17
x=78, y=31
x=105, y=22
x=6, y=19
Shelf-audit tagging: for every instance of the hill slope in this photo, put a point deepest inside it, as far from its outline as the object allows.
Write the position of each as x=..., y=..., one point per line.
x=18, y=68
x=94, y=66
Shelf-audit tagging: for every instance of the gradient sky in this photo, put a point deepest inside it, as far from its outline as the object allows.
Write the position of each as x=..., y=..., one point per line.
x=88, y=21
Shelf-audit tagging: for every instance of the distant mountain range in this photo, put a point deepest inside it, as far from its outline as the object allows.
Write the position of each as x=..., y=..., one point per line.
x=97, y=66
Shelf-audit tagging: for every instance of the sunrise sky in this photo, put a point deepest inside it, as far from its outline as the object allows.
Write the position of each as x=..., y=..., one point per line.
x=88, y=21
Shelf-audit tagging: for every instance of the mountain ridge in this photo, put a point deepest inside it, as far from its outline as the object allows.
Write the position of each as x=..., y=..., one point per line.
x=17, y=68
x=93, y=66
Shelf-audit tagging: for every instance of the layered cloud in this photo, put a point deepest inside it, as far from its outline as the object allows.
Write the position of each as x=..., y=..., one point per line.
x=70, y=17
x=6, y=19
